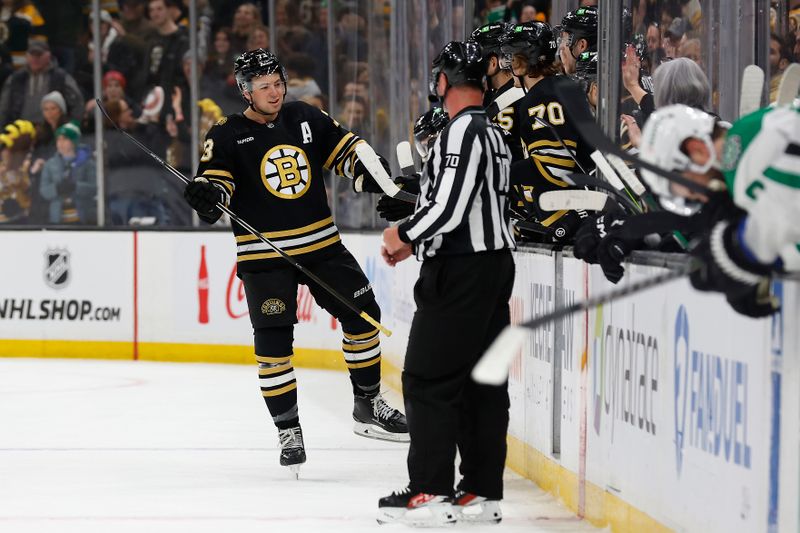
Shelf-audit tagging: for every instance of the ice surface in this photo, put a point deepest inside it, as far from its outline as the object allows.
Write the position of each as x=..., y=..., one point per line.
x=120, y=446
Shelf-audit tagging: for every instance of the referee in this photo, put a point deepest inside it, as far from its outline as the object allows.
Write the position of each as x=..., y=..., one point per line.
x=460, y=232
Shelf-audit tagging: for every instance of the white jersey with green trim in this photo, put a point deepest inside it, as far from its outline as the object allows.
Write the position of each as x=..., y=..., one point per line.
x=761, y=163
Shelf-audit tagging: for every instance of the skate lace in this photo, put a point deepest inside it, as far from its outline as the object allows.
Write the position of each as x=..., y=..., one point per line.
x=290, y=438
x=383, y=410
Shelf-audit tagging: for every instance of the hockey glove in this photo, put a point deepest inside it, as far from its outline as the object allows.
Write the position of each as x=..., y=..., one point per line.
x=392, y=209
x=363, y=181
x=724, y=266
x=203, y=196
x=591, y=232
x=611, y=254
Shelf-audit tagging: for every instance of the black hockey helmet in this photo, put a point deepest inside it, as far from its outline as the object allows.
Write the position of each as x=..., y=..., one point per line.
x=427, y=128
x=490, y=37
x=581, y=24
x=534, y=40
x=586, y=69
x=462, y=63
x=254, y=63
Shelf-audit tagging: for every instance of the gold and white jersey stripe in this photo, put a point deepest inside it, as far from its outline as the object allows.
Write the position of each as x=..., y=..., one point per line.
x=296, y=241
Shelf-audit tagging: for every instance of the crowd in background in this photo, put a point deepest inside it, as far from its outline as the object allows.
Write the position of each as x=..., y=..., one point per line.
x=47, y=78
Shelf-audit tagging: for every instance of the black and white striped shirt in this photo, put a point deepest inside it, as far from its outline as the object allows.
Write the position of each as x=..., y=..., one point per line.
x=463, y=203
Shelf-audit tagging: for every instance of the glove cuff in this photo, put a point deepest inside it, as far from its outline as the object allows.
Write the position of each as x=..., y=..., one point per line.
x=724, y=252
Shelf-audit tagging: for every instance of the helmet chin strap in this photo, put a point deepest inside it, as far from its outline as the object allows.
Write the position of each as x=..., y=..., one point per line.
x=252, y=106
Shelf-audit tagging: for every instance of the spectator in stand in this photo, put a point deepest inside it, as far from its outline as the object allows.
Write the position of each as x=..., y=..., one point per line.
x=134, y=21
x=780, y=57
x=114, y=85
x=63, y=36
x=68, y=180
x=54, y=115
x=22, y=93
x=259, y=38
x=15, y=183
x=300, y=68
x=221, y=86
x=353, y=115
x=532, y=11
x=165, y=52
x=23, y=23
x=246, y=18
x=692, y=49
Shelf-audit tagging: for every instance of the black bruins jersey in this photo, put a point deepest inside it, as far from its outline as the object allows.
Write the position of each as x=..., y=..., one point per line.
x=273, y=174
x=551, y=159
x=507, y=120
x=548, y=160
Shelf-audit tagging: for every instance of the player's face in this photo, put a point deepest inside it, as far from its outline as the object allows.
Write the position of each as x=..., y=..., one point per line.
x=565, y=53
x=268, y=92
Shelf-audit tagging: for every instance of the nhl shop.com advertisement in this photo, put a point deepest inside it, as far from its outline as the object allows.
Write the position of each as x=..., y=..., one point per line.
x=59, y=280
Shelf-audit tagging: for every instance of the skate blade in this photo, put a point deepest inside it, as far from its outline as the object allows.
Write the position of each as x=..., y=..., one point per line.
x=373, y=432
x=487, y=512
x=434, y=515
x=294, y=470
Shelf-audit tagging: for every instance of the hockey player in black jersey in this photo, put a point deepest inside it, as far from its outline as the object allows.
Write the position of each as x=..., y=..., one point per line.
x=267, y=165
x=550, y=158
x=578, y=35
x=501, y=81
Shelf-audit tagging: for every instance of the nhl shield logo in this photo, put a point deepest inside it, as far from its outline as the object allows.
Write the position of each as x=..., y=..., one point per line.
x=56, y=268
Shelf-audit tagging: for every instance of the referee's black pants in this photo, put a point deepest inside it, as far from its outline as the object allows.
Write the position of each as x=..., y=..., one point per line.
x=462, y=305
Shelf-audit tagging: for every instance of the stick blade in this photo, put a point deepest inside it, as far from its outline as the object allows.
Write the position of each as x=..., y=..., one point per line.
x=492, y=368
x=789, y=86
x=405, y=158
x=570, y=199
x=752, y=87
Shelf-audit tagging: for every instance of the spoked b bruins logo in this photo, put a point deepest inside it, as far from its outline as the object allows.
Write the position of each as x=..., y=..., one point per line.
x=285, y=171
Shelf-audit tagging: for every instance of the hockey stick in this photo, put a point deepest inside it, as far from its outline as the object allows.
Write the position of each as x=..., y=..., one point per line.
x=372, y=163
x=492, y=368
x=604, y=168
x=583, y=180
x=575, y=199
x=348, y=303
x=577, y=108
x=405, y=158
x=750, y=92
x=789, y=86
x=508, y=98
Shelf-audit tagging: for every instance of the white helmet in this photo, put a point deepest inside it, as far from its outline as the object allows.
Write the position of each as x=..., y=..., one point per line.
x=662, y=139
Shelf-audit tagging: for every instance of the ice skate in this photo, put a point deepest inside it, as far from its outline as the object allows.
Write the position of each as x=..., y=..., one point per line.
x=416, y=509
x=376, y=419
x=293, y=452
x=473, y=509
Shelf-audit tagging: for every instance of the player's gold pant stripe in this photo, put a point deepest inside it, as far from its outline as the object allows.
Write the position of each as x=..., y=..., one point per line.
x=552, y=218
x=546, y=175
x=272, y=360
x=360, y=347
x=336, y=150
x=365, y=363
x=223, y=173
x=287, y=232
x=360, y=336
x=296, y=251
x=559, y=161
x=274, y=369
x=551, y=144
x=278, y=392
